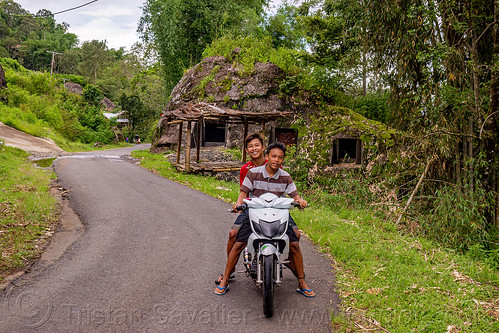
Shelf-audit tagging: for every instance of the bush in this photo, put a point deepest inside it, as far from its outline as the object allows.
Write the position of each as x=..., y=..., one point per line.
x=38, y=83
x=457, y=218
x=373, y=106
x=92, y=95
x=17, y=96
x=254, y=50
x=72, y=78
x=8, y=63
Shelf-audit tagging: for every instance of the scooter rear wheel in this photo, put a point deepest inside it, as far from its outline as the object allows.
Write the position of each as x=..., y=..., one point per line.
x=268, y=286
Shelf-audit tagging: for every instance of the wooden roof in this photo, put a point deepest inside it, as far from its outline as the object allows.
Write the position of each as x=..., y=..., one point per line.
x=208, y=111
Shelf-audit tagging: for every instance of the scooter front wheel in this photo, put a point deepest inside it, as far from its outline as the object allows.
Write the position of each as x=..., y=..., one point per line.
x=268, y=286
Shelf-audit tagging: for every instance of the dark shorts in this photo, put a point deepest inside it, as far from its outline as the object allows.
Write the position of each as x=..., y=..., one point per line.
x=245, y=229
x=239, y=220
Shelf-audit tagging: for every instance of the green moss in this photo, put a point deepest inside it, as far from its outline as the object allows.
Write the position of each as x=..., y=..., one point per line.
x=225, y=84
x=330, y=121
x=200, y=89
x=253, y=50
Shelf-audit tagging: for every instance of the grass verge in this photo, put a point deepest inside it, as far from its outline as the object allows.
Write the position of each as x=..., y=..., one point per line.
x=388, y=282
x=28, y=213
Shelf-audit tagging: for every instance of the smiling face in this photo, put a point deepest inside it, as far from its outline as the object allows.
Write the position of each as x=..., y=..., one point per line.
x=275, y=158
x=254, y=148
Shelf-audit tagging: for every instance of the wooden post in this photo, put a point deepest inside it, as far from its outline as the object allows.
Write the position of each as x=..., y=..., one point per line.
x=188, y=150
x=198, y=147
x=358, y=152
x=179, y=145
x=243, y=159
x=263, y=130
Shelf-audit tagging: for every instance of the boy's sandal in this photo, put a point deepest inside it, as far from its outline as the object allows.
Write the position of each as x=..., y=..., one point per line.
x=220, y=278
x=305, y=292
x=221, y=290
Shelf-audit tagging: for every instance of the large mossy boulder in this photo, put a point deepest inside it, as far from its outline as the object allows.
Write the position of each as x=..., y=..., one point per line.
x=219, y=80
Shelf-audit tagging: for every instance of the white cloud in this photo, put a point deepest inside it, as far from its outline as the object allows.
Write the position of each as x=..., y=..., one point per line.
x=112, y=20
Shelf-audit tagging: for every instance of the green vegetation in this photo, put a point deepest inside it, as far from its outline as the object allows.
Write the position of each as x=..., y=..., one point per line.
x=25, y=40
x=254, y=50
x=28, y=213
x=386, y=280
x=398, y=282
x=179, y=31
x=37, y=105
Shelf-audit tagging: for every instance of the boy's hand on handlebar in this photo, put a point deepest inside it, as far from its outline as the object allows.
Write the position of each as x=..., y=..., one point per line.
x=303, y=203
x=239, y=208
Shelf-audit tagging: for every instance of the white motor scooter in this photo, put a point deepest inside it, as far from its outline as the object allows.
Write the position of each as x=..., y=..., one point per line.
x=268, y=244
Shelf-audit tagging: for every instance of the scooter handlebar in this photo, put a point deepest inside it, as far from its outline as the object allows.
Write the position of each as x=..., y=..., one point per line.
x=240, y=208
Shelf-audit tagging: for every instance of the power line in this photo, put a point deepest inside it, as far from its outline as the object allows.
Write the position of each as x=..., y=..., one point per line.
x=67, y=10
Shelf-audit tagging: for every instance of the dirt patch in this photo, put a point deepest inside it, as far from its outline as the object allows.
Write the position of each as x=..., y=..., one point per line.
x=38, y=147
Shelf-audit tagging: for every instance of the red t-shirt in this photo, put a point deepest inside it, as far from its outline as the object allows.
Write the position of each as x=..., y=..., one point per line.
x=244, y=171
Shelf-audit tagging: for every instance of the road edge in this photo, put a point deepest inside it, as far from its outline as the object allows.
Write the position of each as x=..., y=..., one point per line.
x=68, y=229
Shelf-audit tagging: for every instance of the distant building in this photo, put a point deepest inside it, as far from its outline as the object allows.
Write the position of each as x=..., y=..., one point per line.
x=120, y=118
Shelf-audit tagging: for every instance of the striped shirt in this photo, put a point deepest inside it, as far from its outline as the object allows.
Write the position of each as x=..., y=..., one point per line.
x=258, y=182
x=244, y=170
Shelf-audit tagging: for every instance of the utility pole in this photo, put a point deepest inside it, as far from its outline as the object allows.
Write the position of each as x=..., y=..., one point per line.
x=52, y=64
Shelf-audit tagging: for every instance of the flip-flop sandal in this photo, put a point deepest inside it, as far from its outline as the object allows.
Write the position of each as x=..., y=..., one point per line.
x=305, y=291
x=232, y=276
x=223, y=290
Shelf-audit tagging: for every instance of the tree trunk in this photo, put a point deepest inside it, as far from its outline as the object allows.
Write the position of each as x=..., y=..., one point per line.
x=364, y=74
x=457, y=151
x=491, y=123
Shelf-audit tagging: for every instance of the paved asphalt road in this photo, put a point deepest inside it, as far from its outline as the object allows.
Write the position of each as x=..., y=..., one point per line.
x=146, y=262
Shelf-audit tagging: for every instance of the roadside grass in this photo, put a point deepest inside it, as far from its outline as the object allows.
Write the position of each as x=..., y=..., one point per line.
x=159, y=164
x=388, y=282
x=28, y=213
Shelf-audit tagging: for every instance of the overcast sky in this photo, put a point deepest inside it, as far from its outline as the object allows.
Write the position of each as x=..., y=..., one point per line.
x=112, y=20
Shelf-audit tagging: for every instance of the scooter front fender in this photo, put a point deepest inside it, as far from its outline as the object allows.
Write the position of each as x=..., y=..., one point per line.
x=268, y=249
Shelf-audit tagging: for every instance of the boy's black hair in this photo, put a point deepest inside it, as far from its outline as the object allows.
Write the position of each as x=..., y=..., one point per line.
x=252, y=136
x=279, y=145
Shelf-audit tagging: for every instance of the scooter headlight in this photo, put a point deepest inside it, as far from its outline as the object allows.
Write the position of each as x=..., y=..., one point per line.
x=282, y=229
x=269, y=229
x=257, y=228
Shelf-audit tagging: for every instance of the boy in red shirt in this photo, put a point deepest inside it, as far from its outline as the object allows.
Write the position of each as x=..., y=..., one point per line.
x=253, y=144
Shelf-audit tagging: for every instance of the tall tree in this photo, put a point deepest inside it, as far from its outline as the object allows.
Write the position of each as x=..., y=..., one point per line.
x=95, y=57
x=181, y=29
x=438, y=58
x=491, y=123
x=14, y=10
x=284, y=28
